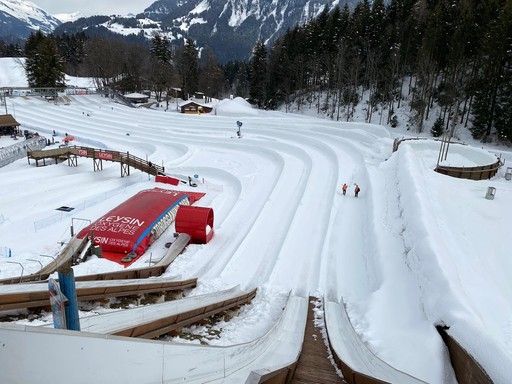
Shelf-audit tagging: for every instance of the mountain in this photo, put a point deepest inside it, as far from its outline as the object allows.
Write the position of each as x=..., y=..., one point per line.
x=231, y=28
x=20, y=17
x=67, y=17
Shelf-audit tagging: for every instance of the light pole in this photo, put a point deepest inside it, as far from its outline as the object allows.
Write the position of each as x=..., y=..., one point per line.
x=5, y=100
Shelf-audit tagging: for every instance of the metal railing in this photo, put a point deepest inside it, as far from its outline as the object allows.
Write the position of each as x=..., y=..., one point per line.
x=19, y=150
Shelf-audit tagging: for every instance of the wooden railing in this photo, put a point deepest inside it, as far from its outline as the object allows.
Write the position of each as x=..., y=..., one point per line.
x=125, y=158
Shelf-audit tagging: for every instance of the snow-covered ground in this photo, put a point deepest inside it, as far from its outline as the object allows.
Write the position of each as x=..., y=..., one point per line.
x=416, y=249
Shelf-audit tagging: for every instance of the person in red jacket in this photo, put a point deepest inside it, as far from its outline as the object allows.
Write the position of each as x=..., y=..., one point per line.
x=357, y=190
x=344, y=189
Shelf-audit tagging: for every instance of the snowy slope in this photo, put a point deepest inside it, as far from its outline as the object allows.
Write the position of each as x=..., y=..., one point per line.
x=416, y=249
x=20, y=17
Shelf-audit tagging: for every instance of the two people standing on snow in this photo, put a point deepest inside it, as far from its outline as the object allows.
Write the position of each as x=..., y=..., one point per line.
x=356, y=189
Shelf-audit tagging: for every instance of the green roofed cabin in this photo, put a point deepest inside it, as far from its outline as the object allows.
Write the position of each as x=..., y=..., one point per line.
x=8, y=125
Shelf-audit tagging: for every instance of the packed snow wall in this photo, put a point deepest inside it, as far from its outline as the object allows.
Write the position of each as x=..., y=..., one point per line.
x=135, y=224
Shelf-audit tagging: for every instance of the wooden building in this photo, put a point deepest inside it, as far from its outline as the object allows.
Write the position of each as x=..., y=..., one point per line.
x=8, y=125
x=193, y=107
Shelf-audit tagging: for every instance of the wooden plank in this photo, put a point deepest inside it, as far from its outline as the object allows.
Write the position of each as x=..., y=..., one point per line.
x=167, y=324
x=314, y=365
x=38, y=295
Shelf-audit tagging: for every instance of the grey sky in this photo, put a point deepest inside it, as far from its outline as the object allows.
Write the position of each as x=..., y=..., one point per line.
x=94, y=7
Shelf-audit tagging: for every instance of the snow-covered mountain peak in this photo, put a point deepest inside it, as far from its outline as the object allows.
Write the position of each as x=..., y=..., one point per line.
x=28, y=13
x=67, y=17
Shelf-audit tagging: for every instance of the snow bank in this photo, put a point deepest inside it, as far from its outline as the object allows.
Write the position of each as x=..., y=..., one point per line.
x=236, y=107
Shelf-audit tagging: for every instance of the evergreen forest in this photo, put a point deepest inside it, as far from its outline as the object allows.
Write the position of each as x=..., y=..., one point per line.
x=450, y=59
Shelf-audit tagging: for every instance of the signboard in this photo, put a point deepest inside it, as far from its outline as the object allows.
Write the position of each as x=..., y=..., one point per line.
x=57, y=304
x=82, y=152
x=105, y=156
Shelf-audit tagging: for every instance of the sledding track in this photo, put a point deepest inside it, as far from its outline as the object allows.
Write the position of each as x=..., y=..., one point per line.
x=75, y=246
x=17, y=296
x=261, y=223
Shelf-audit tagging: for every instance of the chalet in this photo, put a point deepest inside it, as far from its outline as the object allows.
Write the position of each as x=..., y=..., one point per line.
x=193, y=107
x=137, y=98
x=8, y=125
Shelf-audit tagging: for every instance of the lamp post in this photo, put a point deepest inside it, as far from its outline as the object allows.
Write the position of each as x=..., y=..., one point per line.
x=5, y=100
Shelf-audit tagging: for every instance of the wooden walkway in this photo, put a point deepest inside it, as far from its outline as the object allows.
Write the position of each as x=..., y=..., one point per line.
x=314, y=366
x=98, y=155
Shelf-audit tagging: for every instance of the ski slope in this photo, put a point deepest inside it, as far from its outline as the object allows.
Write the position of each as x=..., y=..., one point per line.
x=414, y=250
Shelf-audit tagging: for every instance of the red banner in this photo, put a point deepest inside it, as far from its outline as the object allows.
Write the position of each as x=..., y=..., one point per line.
x=105, y=156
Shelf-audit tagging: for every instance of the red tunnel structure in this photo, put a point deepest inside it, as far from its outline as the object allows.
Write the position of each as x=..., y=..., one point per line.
x=131, y=227
x=196, y=222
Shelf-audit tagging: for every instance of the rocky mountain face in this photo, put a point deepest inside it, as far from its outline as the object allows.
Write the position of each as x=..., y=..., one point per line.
x=18, y=18
x=230, y=28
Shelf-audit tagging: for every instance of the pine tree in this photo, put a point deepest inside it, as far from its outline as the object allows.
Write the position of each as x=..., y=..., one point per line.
x=258, y=83
x=44, y=66
x=187, y=67
x=493, y=100
x=438, y=127
x=160, y=49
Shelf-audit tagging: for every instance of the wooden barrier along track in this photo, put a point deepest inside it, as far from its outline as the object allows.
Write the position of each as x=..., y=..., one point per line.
x=98, y=155
x=36, y=295
x=159, y=319
x=467, y=369
x=357, y=362
x=75, y=247
x=65, y=257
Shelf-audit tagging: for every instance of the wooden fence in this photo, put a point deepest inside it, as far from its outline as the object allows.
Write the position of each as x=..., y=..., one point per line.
x=483, y=172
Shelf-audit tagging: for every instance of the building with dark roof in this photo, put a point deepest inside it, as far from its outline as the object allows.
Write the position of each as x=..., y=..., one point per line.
x=8, y=125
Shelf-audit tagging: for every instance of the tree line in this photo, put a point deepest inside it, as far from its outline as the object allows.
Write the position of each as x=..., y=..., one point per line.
x=451, y=58
x=121, y=65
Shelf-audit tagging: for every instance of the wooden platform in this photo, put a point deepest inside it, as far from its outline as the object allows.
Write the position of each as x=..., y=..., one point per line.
x=314, y=366
x=71, y=153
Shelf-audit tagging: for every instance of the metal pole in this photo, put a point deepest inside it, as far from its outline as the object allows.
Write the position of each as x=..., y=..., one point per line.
x=67, y=286
x=447, y=146
x=440, y=156
x=5, y=101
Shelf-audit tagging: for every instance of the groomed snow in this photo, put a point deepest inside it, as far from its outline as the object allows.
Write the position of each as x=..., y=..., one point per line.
x=416, y=249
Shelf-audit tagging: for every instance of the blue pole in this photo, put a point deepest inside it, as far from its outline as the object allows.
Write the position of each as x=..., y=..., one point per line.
x=67, y=286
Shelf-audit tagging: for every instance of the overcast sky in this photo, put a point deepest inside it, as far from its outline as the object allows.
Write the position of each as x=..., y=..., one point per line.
x=94, y=7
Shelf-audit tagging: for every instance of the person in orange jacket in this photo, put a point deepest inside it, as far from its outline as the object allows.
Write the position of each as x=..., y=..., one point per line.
x=344, y=189
x=357, y=190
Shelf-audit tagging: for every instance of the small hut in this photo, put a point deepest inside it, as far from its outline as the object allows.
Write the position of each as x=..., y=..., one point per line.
x=193, y=107
x=8, y=125
x=137, y=98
